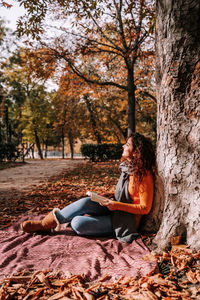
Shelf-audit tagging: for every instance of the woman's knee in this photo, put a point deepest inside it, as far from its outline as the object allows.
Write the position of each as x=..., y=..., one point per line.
x=78, y=225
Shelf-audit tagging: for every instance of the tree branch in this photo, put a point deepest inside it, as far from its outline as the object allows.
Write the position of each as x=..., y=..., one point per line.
x=136, y=46
x=138, y=29
x=121, y=27
x=91, y=40
x=81, y=75
x=148, y=95
x=101, y=83
x=106, y=37
x=97, y=50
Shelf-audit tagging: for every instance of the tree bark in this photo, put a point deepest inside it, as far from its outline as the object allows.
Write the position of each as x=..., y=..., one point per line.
x=32, y=151
x=178, y=122
x=71, y=143
x=46, y=148
x=37, y=141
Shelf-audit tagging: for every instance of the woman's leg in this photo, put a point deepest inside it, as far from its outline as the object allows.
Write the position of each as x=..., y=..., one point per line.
x=93, y=225
x=57, y=217
x=80, y=208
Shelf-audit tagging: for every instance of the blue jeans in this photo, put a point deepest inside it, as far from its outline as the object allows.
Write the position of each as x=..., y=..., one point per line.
x=98, y=223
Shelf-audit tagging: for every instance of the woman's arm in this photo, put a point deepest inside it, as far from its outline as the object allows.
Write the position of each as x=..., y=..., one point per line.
x=145, y=196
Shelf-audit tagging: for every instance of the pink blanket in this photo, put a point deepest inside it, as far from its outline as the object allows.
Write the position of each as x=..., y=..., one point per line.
x=65, y=251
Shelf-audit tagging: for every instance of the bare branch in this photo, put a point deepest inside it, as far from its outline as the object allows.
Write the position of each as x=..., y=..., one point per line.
x=138, y=29
x=132, y=15
x=90, y=40
x=99, y=50
x=136, y=46
x=121, y=27
x=106, y=37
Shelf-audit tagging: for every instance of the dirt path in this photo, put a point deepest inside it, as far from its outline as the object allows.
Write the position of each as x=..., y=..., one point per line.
x=34, y=172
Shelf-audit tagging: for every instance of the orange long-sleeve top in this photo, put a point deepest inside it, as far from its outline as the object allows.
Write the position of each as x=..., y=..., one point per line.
x=142, y=197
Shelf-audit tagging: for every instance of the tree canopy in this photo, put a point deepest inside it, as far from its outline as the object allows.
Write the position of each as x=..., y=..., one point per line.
x=99, y=54
x=96, y=36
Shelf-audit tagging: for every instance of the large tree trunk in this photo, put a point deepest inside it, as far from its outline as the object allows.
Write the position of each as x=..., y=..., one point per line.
x=178, y=123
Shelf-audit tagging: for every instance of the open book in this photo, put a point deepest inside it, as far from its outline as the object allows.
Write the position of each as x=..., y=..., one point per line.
x=97, y=198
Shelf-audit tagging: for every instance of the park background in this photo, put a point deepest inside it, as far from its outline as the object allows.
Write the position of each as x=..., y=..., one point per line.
x=63, y=109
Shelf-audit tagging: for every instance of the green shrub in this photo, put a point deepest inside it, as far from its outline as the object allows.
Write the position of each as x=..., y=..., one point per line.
x=101, y=152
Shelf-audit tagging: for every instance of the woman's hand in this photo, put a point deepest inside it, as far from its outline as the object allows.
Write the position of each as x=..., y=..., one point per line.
x=110, y=204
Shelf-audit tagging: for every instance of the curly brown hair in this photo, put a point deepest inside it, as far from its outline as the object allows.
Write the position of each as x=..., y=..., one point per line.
x=144, y=156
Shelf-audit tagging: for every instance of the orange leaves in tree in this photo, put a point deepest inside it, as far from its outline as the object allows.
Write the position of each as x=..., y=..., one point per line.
x=5, y=4
x=41, y=63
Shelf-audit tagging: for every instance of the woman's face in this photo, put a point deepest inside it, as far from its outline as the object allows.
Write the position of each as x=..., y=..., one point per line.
x=128, y=149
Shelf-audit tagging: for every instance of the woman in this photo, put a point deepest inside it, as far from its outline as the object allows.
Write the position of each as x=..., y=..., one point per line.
x=119, y=218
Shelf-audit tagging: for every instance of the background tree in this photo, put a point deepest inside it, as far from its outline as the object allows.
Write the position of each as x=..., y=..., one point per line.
x=98, y=55
x=111, y=32
x=69, y=110
x=102, y=109
x=90, y=119
x=178, y=93
x=28, y=101
x=106, y=112
x=93, y=117
x=66, y=126
x=9, y=139
x=36, y=114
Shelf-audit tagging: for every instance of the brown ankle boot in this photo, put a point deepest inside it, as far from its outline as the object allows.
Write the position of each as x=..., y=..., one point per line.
x=46, y=224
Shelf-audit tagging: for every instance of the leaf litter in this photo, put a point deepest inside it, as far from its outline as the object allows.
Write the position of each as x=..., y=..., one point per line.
x=179, y=268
